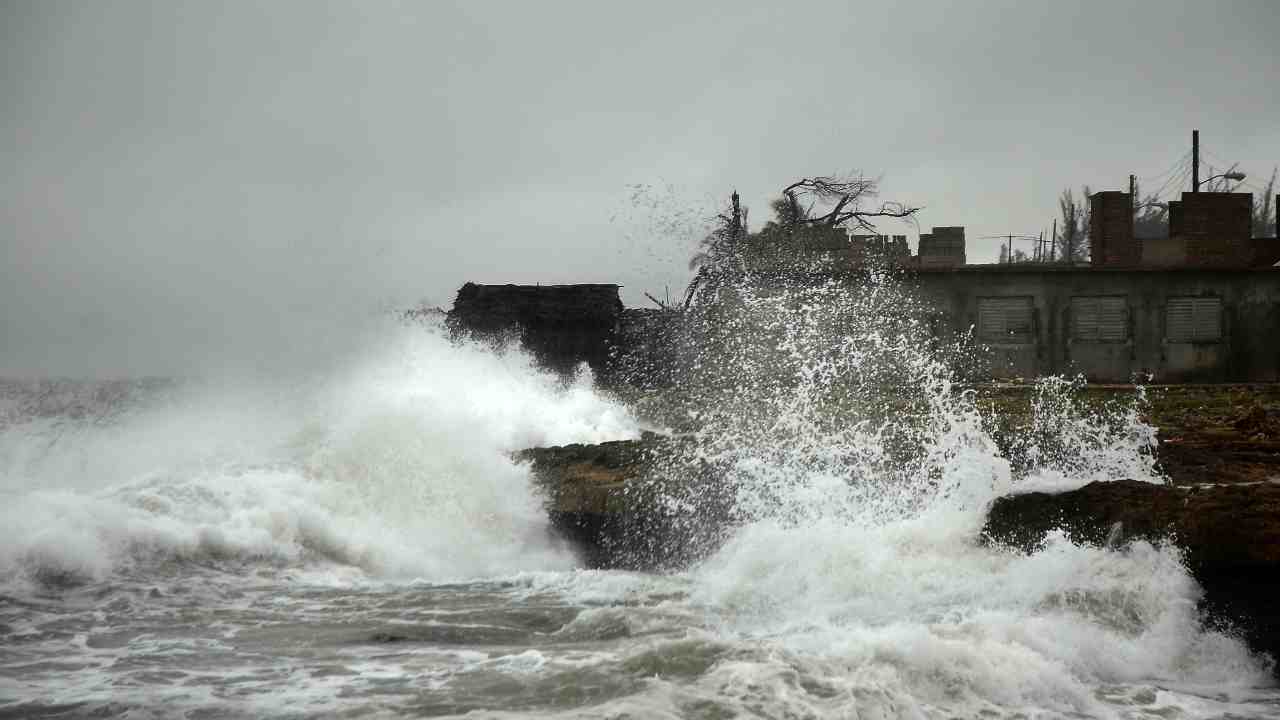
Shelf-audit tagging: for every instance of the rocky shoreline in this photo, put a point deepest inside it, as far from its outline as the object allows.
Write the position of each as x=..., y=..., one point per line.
x=1229, y=535
x=609, y=501
x=1221, y=508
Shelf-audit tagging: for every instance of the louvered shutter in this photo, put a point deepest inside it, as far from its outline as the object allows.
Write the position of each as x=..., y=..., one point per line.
x=1103, y=319
x=1005, y=319
x=1084, y=318
x=1113, y=319
x=1194, y=319
x=1208, y=318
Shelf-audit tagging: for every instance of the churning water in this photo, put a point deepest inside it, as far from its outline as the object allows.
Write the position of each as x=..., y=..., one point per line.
x=361, y=545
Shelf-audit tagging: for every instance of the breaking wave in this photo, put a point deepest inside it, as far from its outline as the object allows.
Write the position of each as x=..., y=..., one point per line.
x=397, y=466
x=859, y=487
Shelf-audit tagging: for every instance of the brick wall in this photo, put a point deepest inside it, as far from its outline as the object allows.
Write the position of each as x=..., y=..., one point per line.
x=944, y=247
x=1111, y=230
x=1217, y=228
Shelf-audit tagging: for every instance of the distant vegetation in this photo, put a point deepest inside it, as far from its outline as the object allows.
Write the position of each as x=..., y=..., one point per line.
x=808, y=211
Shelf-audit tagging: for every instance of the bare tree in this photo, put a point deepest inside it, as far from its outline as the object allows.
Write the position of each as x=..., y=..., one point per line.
x=839, y=202
x=805, y=206
x=1073, y=237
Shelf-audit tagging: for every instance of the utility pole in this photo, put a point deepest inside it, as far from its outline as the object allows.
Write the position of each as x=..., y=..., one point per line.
x=1053, y=240
x=1133, y=193
x=1195, y=161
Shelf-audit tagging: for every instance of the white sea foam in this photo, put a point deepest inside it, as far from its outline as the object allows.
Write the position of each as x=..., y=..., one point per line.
x=859, y=562
x=854, y=583
x=397, y=464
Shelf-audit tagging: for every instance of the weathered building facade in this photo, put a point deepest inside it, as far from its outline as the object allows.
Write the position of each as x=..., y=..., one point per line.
x=1112, y=325
x=1202, y=305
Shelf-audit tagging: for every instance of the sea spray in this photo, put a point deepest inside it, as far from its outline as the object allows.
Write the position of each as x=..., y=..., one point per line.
x=1069, y=442
x=856, y=465
x=828, y=398
x=303, y=554
x=396, y=464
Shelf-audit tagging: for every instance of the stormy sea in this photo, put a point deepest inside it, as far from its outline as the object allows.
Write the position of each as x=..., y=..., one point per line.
x=359, y=543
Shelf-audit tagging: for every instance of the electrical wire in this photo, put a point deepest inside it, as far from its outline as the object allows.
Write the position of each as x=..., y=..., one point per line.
x=1176, y=164
x=1235, y=166
x=1173, y=183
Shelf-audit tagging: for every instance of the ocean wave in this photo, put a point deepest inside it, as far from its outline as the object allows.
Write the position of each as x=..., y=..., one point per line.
x=398, y=464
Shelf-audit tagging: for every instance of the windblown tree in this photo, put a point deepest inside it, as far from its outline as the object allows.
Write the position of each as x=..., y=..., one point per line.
x=718, y=260
x=844, y=200
x=1073, y=233
x=1264, y=212
x=1017, y=256
x=804, y=207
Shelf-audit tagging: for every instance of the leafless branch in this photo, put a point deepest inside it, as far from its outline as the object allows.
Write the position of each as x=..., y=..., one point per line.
x=845, y=195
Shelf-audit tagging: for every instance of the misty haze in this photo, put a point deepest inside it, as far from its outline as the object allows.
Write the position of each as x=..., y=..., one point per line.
x=639, y=360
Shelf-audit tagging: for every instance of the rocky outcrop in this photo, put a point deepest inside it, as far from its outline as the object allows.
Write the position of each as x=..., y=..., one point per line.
x=1221, y=528
x=1197, y=461
x=631, y=504
x=1229, y=534
x=560, y=325
x=649, y=505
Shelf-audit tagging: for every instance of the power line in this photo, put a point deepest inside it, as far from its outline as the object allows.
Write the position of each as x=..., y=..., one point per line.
x=1176, y=164
x=1174, y=183
x=1212, y=155
x=1248, y=174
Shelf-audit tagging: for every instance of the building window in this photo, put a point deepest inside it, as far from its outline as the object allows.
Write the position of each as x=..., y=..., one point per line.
x=1005, y=320
x=1099, y=319
x=1193, y=319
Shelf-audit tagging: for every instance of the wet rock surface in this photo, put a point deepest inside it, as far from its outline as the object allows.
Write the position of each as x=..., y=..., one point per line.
x=1221, y=528
x=609, y=501
x=1229, y=534
x=1219, y=447
x=613, y=501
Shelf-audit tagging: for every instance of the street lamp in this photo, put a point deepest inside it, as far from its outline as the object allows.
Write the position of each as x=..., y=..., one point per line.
x=1236, y=176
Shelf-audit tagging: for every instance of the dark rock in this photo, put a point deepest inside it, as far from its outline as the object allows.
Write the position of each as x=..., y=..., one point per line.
x=1229, y=534
x=1220, y=527
x=631, y=504
x=1199, y=460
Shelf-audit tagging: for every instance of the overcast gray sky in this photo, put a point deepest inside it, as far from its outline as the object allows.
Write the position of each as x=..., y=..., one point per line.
x=183, y=182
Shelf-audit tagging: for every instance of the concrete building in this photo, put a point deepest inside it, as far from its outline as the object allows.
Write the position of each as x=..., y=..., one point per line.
x=1174, y=325
x=1202, y=305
